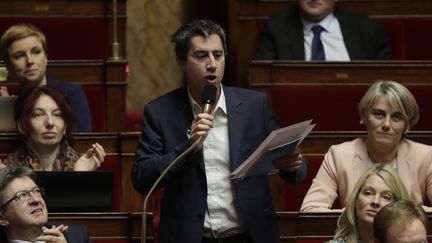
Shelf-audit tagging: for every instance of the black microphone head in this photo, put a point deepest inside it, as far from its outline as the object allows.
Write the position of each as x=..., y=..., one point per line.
x=209, y=94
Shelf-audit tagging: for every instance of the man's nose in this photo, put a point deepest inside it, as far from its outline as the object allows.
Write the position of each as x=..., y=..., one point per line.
x=211, y=62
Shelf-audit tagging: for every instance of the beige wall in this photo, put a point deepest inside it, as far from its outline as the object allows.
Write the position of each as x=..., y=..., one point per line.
x=152, y=67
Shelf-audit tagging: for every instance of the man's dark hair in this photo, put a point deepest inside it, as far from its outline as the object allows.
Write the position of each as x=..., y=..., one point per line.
x=10, y=173
x=200, y=27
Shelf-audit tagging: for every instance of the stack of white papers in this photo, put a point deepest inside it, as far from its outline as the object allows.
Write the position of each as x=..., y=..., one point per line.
x=286, y=138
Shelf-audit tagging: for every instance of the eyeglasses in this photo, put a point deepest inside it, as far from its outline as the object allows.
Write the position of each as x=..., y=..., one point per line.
x=25, y=195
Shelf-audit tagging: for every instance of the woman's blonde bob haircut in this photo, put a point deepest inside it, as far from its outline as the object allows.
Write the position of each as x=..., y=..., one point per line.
x=347, y=222
x=399, y=97
x=18, y=32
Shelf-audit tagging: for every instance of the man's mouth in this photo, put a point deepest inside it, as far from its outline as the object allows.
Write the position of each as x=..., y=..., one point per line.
x=210, y=77
x=36, y=211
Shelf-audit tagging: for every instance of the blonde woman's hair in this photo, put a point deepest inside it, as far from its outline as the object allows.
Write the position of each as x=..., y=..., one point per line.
x=347, y=222
x=399, y=97
x=17, y=32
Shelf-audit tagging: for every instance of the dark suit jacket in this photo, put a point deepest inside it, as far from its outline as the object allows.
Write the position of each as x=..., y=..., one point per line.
x=282, y=37
x=78, y=101
x=166, y=121
x=75, y=234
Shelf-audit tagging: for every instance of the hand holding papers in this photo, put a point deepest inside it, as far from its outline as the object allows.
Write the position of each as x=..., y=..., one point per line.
x=283, y=140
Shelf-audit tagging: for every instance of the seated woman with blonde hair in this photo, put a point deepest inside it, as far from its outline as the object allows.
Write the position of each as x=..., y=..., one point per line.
x=45, y=120
x=377, y=187
x=387, y=110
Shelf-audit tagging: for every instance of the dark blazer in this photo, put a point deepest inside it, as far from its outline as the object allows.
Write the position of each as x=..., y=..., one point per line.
x=74, y=234
x=78, y=101
x=282, y=37
x=166, y=121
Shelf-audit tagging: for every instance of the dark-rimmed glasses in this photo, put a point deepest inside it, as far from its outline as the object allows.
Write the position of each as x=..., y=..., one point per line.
x=25, y=195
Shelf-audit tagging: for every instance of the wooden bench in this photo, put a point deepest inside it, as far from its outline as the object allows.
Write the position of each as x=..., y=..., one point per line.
x=126, y=227
x=335, y=107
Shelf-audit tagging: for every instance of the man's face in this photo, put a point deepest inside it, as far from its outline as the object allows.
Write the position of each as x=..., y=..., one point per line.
x=316, y=10
x=204, y=64
x=413, y=232
x=25, y=214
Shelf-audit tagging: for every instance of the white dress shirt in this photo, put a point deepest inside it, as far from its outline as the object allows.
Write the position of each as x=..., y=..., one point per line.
x=223, y=217
x=331, y=37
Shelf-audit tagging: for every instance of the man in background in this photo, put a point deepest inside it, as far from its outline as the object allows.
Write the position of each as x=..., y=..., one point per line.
x=317, y=31
x=402, y=221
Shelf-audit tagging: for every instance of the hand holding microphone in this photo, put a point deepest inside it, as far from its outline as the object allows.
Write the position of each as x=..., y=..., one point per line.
x=203, y=123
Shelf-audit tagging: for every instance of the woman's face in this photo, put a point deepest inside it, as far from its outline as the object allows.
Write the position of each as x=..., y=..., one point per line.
x=374, y=195
x=47, y=124
x=385, y=125
x=28, y=60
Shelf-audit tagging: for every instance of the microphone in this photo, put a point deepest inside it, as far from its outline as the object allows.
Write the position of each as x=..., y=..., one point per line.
x=208, y=98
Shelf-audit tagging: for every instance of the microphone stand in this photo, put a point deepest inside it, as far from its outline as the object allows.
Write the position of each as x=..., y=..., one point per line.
x=162, y=175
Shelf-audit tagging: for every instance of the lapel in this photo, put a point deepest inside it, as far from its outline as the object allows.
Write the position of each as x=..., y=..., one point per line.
x=235, y=121
x=404, y=165
x=360, y=160
x=184, y=114
x=184, y=118
x=295, y=36
x=350, y=36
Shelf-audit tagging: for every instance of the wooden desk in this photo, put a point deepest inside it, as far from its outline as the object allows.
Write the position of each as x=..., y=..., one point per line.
x=127, y=226
x=264, y=74
x=108, y=226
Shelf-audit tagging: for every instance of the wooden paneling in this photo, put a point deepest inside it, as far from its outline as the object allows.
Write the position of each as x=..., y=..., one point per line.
x=134, y=201
x=61, y=7
x=108, y=226
x=293, y=226
x=265, y=74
